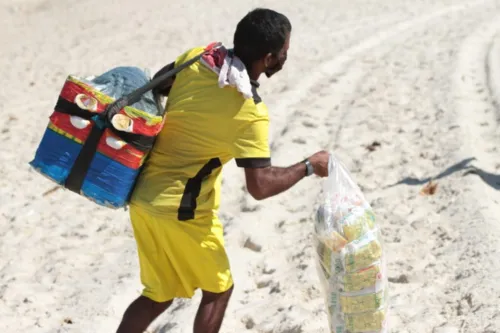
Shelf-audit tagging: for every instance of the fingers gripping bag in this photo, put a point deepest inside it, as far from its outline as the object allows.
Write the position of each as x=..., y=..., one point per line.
x=350, y=256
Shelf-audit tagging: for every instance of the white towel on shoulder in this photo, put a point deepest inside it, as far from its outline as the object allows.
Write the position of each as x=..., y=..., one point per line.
x=232, y=73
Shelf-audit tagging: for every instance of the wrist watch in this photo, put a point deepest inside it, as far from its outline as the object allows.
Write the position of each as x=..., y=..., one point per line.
x=309, y=167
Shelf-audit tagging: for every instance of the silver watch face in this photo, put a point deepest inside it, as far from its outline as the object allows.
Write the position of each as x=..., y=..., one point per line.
x=309, y=168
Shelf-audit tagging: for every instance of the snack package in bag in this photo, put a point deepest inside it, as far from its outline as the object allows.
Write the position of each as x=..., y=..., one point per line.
x=350, y=257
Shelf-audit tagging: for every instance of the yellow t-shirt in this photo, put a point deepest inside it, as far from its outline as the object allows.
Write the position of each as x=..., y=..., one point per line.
x=206, y=127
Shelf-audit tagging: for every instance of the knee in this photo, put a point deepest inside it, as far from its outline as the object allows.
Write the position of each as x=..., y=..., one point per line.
x=160, y=307
x=156, y=308
x=209, y=297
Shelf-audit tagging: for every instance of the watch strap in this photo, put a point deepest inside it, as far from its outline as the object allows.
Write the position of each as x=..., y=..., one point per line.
x=309, y=167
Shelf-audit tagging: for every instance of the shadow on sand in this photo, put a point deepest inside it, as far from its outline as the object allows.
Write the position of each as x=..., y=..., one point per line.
x=491, y=179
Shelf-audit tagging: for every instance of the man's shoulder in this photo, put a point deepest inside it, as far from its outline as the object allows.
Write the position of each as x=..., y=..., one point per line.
x=253, y=108
x=194, y=51
x=189, y=53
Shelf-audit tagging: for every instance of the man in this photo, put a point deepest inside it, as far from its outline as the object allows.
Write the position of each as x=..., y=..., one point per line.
x=174, y=206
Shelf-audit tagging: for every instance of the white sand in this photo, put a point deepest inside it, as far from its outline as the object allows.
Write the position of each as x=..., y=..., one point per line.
x=420, y=77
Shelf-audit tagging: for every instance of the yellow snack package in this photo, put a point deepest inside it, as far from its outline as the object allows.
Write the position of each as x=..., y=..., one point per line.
x=325, y=259
x=357, y=223
x=335, y=242
x=330, y=259
x=362, y=252
x=365, y=278
x=362, y=303
x=370, y=217
x=374, y=321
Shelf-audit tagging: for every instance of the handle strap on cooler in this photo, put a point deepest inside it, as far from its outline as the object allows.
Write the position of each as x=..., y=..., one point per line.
x=76, y=176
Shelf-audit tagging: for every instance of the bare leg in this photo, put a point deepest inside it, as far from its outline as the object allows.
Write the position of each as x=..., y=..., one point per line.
x=140, y=314
x=211, y=312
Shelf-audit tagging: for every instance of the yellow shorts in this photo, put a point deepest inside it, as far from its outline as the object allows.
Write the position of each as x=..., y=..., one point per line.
x=178, y=257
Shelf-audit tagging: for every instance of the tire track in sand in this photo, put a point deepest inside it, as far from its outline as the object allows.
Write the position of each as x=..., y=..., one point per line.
x=334, y=66
x=476, y=94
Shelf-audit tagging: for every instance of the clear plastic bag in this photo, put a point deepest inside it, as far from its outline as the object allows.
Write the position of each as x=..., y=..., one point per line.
x=350, y=258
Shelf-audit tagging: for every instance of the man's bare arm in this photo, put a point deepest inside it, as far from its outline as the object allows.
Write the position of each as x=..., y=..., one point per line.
x=266, y=182
x=263, y=183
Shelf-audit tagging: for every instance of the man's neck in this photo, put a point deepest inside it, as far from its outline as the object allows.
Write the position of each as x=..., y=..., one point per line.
x=254, y=74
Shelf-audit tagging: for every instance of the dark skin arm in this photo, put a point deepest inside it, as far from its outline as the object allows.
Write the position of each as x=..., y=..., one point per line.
x=263, y=183
x=266, y=182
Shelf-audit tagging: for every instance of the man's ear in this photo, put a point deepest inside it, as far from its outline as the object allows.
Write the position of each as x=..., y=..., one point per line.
x=269, y=60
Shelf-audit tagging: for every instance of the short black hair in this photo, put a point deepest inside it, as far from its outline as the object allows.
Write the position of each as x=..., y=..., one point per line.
x=260, y=32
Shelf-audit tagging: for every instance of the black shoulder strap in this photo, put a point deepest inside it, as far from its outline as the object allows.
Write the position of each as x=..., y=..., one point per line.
x=135, y=95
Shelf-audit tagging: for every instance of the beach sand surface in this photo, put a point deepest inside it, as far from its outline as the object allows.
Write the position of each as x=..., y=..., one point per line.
x=416, y=81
